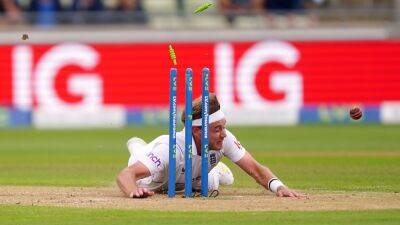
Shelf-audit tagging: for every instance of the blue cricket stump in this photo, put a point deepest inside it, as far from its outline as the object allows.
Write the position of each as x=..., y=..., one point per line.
x=204, y=131
x=188, y=132
x=172, y=131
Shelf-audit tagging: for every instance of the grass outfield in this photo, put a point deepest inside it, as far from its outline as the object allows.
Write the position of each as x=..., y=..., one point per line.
x=11, y=215
x=328, y=158
x=352, y=158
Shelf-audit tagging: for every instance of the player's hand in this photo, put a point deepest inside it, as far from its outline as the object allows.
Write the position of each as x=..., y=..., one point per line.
x=286, y=192
x=141, y=193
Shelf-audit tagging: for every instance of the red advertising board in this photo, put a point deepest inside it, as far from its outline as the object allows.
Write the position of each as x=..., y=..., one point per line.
x=256, y=73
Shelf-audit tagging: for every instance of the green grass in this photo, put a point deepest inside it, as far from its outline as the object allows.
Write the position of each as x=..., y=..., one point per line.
x=342, y=157
x=331, y=158
x=320, y=138
x=21, y=215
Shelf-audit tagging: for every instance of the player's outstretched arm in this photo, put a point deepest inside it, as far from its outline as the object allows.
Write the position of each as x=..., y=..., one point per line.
x=127, y=178
x=264, y=176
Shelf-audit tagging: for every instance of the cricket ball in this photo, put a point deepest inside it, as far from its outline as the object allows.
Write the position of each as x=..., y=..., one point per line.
x=355, y=113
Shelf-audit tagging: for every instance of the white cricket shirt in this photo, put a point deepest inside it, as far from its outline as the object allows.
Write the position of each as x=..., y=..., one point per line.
x=156, y=156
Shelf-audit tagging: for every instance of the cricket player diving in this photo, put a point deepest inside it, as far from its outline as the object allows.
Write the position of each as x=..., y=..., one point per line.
x=147, y=170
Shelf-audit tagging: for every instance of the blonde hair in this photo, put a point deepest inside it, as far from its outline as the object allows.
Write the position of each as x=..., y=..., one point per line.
x=196, y=108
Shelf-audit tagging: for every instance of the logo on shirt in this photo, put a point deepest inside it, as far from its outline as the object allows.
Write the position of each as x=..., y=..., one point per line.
x=213, y=159
x=237, y=143
x=154, y=159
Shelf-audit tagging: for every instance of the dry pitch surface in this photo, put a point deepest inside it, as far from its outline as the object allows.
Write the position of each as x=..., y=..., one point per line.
x=230, y=199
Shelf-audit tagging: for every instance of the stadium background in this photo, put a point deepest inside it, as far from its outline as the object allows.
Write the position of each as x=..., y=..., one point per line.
x=87, y=80
x=114, y=75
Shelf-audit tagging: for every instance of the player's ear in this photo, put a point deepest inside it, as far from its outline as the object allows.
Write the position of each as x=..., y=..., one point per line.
x=196, y=130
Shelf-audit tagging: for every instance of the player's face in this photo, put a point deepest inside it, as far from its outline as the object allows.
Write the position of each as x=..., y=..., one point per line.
x=217, y=134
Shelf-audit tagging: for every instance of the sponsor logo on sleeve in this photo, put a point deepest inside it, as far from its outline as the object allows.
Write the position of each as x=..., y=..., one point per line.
x=213, y=159
x=154, y=159
x=237, y=143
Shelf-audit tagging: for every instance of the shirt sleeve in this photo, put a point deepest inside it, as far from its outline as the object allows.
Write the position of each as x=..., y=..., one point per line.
x=232, y=147
x=156, y=160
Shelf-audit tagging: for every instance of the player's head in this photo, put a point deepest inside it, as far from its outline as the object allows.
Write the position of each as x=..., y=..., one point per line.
x=216, y=131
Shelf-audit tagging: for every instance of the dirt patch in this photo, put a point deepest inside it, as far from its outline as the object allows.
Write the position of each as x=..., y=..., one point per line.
x=230, y=199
